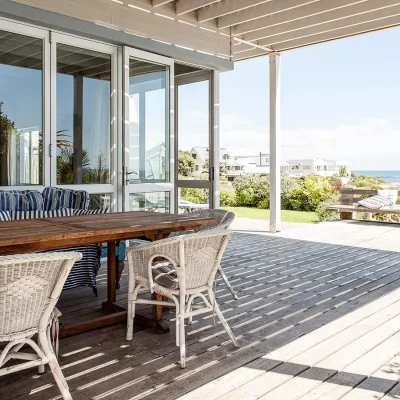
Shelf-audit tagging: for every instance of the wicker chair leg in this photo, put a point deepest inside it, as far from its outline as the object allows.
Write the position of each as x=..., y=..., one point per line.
x=222, y=319
x=54, y=366
x=182, y=343
x=131, y=314
x=227, y=283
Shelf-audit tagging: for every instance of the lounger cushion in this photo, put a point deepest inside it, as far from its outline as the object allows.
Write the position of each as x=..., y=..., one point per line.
x=164, y=274
x=5, y=216
x=57, y=198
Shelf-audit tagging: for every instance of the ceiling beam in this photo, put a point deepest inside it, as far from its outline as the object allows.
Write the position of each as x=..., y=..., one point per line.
x=298, y=19
x=246, y=55
x=260, y=11
x=224, y=7
x=319, y=8
x=331, y=26
x=342, y=33
x=158, y=3
x=252, y=45
x=185, y=6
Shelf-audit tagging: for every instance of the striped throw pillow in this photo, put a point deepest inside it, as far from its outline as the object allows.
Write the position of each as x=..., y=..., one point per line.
x=375, y=202
x=92, y=212
x=18, y=215
x=5, y=216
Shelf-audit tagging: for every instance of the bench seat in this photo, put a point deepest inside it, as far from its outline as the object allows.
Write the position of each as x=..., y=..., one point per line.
x=352, y=208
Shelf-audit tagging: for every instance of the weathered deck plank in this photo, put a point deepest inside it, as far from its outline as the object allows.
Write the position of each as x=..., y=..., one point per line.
x=292, y=293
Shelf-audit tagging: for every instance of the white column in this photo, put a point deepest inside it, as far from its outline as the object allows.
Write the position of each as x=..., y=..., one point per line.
x=215, y=137
x=274, y=143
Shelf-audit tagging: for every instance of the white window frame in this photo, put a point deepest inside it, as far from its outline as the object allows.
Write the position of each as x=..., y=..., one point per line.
x=28, y=30
x=128, y=53
x=71, y=40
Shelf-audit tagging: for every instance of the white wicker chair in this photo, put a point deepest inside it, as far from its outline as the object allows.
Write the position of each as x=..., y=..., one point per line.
x=190, y=263
x=223, y=220
x=30, y=286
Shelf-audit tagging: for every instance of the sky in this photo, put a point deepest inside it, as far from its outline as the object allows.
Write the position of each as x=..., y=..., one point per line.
x=339, y=100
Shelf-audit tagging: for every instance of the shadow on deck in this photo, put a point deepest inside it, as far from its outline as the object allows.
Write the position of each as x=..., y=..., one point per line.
x=287, y=288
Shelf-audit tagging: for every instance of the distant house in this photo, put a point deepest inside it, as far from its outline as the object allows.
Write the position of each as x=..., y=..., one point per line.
x=252, y=165
x=316, y=166
x=236, y=165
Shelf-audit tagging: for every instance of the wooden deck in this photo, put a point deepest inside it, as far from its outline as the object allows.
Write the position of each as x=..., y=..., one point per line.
x=315, y=320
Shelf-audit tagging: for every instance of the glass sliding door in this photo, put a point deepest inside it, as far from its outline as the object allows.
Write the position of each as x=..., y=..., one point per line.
x=194, y=142
x=24, y=129
x=147, y=164
x=84, y=128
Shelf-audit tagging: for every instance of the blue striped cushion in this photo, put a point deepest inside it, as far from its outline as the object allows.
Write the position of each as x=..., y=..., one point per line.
x=92, y=212
x=18, y=215
x=12, y=200
x=5, y=216
x=21, y=200
x=56, y=198
x=84, y=271
x=34, y=200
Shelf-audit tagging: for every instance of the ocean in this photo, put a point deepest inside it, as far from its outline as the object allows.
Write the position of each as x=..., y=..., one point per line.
x=387, y=176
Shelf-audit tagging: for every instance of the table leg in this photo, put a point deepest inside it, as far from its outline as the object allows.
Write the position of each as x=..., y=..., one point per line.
x=159, y=324
x=111, y=273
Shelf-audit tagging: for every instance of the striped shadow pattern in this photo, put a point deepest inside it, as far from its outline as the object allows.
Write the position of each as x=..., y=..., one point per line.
x=287, y=289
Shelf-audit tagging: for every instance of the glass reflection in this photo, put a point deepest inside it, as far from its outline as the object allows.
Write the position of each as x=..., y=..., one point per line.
x=21, y=114
x=154, y=201
x=83, y=116
x=148, y=122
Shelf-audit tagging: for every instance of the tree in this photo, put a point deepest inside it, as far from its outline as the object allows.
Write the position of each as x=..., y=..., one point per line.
x=186, y=163
x=65, y=170
x=7, y=128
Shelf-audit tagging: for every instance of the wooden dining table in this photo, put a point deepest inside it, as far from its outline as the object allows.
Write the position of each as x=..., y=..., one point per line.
x=25, y=236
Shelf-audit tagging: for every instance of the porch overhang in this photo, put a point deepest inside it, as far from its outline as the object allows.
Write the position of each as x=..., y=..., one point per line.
x=231, y=29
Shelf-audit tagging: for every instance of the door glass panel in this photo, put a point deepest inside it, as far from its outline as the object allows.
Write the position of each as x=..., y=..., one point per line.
x=193, y=131
x=191, y=199
x=83, y=116
x=103, y=200
x=21, y=113
x=152, y=201
x=148, y=122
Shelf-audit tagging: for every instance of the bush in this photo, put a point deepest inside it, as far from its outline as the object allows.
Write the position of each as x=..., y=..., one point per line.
x=322, y=213
x=250, y=190
x=264, y=204
x=227, y=199
x=196, y=196
x=298, y=194
x=309, y=194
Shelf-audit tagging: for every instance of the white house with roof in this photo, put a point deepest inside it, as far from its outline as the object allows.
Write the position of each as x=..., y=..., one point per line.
x=316, y=166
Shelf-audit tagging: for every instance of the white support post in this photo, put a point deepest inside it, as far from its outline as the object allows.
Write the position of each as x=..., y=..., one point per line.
x=274, y=143
x=215, y=138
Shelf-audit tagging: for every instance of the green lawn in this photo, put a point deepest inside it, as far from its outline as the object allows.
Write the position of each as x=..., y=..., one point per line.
x=287, y=216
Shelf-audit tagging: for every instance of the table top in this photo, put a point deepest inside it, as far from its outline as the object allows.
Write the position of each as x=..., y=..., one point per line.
x=57, y=233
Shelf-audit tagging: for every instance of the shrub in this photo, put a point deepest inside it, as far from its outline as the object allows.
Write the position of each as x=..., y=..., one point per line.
x=196, y=196
x=322, y=213
x=264, y=204
x=227, y=199
x=250, y=190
